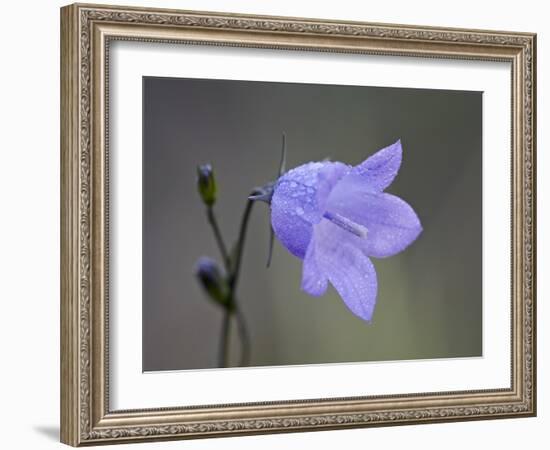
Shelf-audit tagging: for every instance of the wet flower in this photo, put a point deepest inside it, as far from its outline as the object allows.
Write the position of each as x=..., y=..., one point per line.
x=335, y=216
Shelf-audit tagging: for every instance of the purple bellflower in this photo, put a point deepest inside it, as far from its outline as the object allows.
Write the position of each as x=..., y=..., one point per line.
x=334, y=217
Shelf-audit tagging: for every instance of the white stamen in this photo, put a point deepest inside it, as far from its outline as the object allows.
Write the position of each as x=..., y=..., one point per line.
x=346, y=224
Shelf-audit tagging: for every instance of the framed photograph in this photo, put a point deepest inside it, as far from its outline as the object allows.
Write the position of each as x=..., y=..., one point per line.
x=273, y=224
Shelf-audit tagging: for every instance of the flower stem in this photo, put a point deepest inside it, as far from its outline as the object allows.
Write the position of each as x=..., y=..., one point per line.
x=223, y=350
x=223, y=356
x=233, y=278
x=240, y=245
x=217, y=234
x=245, y=338
x=233, y=270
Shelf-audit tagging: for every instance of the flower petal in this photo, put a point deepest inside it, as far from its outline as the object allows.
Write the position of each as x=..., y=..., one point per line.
x=314, y=280
x=347, y=267
x=391, y=223
x=299, y=201
x=379, y=170
x=327, y=178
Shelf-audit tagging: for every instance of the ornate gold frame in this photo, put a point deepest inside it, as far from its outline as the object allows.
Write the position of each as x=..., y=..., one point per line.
x=86, y=31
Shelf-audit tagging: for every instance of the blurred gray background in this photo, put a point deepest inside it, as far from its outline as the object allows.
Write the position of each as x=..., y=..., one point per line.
x=429, y=297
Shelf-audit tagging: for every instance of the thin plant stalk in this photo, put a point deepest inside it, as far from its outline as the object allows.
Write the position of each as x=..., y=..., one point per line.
x=217, y=234
x=223, y=356
x=233, y=270
x=240, y=245
x=245, y=338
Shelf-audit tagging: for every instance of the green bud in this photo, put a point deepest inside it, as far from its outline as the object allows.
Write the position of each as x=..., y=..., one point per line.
x=206, y=184
x=213, y=281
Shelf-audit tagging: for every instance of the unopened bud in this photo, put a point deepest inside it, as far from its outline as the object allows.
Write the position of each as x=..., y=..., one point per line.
x=212, y=280
x=206, y=184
